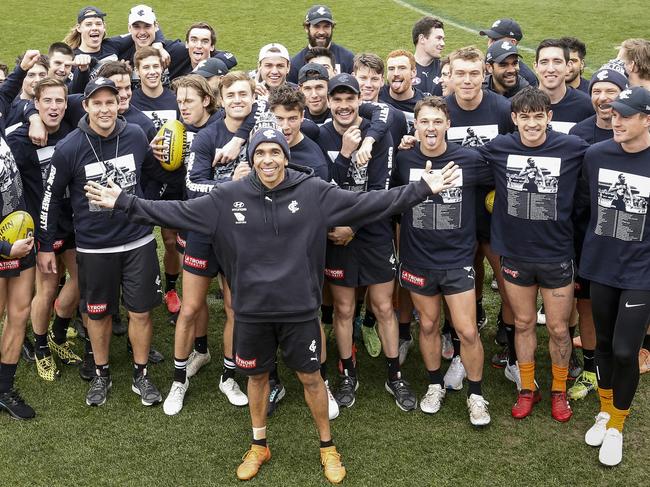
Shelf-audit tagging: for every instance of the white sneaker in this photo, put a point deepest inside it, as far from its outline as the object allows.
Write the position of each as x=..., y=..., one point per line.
x=332, y=405
x=196, y=361
x=174, y=400
x=232, y=391
x=447, y=346
x=404, y=347
x=512, y=374
x=432, y=400
x=541, y=316
x=594, y=435
x=455, y=375
x=611, y=451
x=478, y=411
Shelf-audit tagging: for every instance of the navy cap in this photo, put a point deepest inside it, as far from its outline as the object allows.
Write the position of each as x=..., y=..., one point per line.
x=503, y=28
x=312, y=72
x=211, y=67
x=98, y=84
x=632, y=101
x=500, y=50
x=268, y=135
x=608, y=75
x=89, y=12
x=319, y=13
x=343, y=80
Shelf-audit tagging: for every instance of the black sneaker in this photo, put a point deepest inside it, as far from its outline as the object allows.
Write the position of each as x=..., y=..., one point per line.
x=275, y=396
x=99, y=387
x=344, y=395
x=87, y=367
x=15, y=405
x=501, y=337
x=155, y=357
x=27, y=351
x=481, y=317
x=119, y=328
x=401, y=391
x=500, y=360
x=79, y=326
x=148, y=392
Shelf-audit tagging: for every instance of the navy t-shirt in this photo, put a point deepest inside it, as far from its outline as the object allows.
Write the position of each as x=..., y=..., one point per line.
x=307, y=153
x=159, y=109
x=405, y=106
x=588, y=131
x=473, y=128
x=427, y=78
x=574, y=107
x=343, y=58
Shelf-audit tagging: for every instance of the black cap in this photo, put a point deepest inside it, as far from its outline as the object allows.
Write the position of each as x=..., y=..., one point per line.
x=211, y=67
x=268, y=135
x=319, y=13
x=632, y=101
x=610, y=76
x=343, y=80
x=312, y=72
x=89, y=12
x=503, y=28
x=500, y=50
x=98, y=84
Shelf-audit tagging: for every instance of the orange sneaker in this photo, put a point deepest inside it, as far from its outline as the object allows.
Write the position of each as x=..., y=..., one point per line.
x=644, y=360
x=332, y=467
x=252, y=461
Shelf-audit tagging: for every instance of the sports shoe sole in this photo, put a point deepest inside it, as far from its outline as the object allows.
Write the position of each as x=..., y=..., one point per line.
x=145, y=403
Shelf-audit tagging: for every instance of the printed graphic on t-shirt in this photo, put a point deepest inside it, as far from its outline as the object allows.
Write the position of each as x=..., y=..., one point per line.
x=224, y=172
x=622, y=205
x=532, y=186
x=474, y=136
x=442, y=211
x=159, y=117
x=44, y=155
x=11, y=185
x=357, y=177
x=121, y=170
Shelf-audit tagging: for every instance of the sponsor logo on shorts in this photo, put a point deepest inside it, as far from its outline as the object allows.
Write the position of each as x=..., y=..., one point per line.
x=335, y=273
x=418, y=281
x=9, y=265
x=510, y=272
x=245, y=364
x=58, y=244
x=181, y=241
x=194, y=262
x=97, y=308
x=470, y=272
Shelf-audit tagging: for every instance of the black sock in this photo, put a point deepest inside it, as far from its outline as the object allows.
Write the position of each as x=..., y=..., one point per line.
x=435, y=377
x=102, y=370
x=357, y=309
x=228, y=368
x=348, y=367
x=41, y=347
x=512, y=352
x=60, y=329
x=646, y=342
x=7, y=375
x=273, y=375
x=170, y=282
x=327, y=313
x=572, y=331
x=456, y=342
x=326, y=444
x=446, y=326
x=405, y=331
x=474, y=387
x=393, y=368
x=180, y=369
x=588, y=360
x=323, y=370
x=139, y=369
x=201, y=344
x=369, y=319
x=261, y=442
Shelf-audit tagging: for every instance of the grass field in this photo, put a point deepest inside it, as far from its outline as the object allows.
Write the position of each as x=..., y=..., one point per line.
x=124, y=443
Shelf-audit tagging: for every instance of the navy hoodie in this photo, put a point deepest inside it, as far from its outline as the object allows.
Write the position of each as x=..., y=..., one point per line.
x=272, y=241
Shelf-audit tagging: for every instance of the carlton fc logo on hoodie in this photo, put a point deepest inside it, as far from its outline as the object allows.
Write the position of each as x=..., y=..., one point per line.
x=293, y=206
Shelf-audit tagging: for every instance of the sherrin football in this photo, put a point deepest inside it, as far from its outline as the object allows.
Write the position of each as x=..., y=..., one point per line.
x=489, y=201
x=16, y=226
x=173, y=135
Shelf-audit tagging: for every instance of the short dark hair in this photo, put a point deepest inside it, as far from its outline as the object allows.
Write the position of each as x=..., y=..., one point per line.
x=575, y=44
x=202, y=25
x=113, y=68
x=553, y=43
x=530, y=99
x=320, y=52
x=287, y=97
x=61, y=47
x=42, y=60
x=432, y=102
x=370, y=61
x=424, y=26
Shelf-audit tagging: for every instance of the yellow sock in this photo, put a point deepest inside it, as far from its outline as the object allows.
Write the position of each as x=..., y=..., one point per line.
x=618, y=417
x=527, y=373
x=559, y=378
x=606, y=400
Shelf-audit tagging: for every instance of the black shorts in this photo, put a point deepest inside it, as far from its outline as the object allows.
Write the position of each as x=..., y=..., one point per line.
x=581, y=288
x=483, y=217
x=199, y=258
x=133, y=272
x=13, y=267
x=431, y=282
x=256, y=345
x=552, y=275
x=352, y=266
x=60, y=245
x=181, y=241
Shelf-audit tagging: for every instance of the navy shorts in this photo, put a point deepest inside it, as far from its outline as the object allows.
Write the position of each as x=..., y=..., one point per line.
x=13, y=267
x=551, y=275
x=199, y=258
x=431, y=282
x=353, y=266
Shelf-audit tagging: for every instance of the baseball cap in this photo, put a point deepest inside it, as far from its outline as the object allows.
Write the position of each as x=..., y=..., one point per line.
x=98, y=84
x=343, y=80
x=319, y=13
x=503, y=28
x=142, y=13
x=609, y=75
x=274, y=49
x=312, y=72
x=211, y=67
x=89, y=12
x=500, y=50
x=268, y=135
x=631, y=101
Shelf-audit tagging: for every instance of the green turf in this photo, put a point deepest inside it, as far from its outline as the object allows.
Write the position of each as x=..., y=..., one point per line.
x=124, y=443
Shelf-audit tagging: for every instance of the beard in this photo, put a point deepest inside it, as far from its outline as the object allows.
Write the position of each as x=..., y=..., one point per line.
x=319, y=42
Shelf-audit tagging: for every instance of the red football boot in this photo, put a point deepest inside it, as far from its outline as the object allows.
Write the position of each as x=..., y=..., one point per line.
x=525, y=402
x=560, y=408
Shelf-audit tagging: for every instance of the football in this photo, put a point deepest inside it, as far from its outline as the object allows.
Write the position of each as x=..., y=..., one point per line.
x=16, y=226
x=173, y=135
x=489, y=201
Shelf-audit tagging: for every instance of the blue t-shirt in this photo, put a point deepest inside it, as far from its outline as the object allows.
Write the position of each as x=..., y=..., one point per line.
x=588, y=131
x=574, y=107
x=159, y=109
x=427, y=78
x=307, y=153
